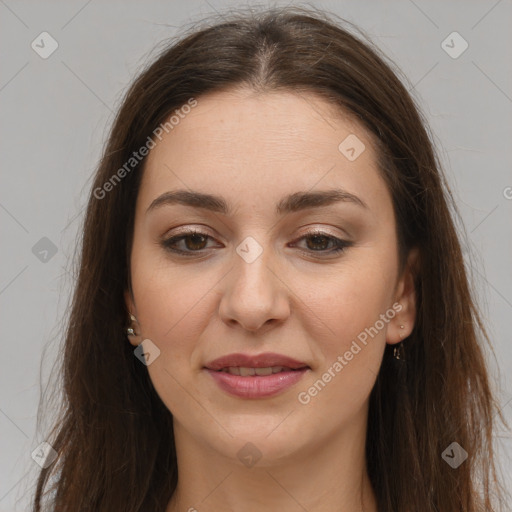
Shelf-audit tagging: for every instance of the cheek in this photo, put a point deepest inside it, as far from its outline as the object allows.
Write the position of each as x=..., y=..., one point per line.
x=351, y=350
x=175, y=303
x=349, y=315
x=171, y=304
x=348, y=301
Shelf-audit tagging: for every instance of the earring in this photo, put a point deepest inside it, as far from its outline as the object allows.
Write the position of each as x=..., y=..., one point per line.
x=130, y=331
x=398, y=350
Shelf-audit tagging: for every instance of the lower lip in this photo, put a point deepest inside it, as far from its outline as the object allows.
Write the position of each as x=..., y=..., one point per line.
x=256, y=386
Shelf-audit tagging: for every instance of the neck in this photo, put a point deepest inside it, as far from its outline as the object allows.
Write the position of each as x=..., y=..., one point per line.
x=326, y=477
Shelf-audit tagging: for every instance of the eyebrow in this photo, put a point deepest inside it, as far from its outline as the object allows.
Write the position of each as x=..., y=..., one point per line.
x=291, y=203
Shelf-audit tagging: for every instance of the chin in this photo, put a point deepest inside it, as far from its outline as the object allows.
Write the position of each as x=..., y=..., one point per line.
x=261, y=443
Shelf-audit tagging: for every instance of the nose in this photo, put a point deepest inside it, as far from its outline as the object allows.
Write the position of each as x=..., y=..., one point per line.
x=254, y=295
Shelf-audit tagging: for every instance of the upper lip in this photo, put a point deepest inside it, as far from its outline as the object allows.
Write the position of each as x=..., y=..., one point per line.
x=265, y=360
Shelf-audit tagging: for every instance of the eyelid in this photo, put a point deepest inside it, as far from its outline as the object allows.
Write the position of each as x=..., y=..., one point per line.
x=188, y=229
x=305, y=231
x=320, y=230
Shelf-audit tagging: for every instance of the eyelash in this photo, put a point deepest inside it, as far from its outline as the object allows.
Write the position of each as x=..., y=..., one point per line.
x=339, y=245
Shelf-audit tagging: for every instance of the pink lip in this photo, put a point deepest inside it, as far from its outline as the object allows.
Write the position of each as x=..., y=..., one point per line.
x=256, y=386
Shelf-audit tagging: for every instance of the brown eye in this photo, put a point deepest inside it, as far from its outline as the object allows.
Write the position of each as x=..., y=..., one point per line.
x=319, y=242
x=196, y=242
x=192, y=241
x=324, y=244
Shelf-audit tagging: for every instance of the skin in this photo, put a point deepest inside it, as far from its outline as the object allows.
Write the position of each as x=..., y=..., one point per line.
x=253, y=149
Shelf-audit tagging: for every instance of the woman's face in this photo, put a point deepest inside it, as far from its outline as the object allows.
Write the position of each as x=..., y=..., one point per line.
x=262, y=280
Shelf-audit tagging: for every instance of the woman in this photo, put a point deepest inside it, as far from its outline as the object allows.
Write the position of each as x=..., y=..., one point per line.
x=272, y=311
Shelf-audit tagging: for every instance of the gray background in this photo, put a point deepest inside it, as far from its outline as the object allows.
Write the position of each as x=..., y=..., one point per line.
x=55, y=115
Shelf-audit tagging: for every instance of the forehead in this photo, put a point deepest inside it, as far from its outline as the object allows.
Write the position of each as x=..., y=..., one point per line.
x=244, y=144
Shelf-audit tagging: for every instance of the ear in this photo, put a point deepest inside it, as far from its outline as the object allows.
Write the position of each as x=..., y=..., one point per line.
x=130, y=303
x=405, y=296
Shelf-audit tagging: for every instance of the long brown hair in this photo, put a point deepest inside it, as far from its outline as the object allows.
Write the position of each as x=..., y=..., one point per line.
x=114, y=436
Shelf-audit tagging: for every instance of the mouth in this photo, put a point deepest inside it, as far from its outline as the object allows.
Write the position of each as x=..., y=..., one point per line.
x=259, y=376
x=261, y=372
x=256, y=362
